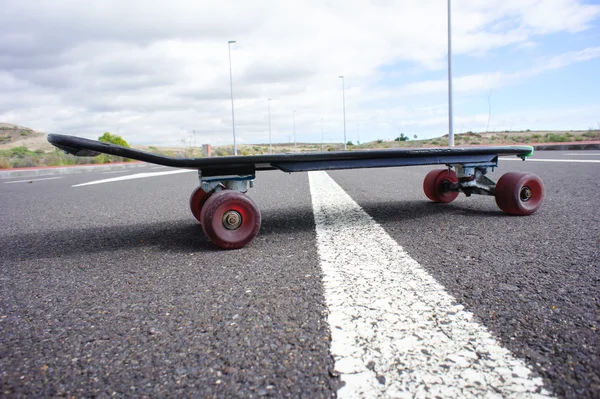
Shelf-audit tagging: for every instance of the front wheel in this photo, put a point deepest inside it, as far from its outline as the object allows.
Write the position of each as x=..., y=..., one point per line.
x=197, y=201
x=230, y=219
x=436, y=185
x=519, y=193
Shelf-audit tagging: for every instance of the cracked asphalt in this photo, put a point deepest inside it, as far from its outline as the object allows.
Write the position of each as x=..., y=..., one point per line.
x=112, y=289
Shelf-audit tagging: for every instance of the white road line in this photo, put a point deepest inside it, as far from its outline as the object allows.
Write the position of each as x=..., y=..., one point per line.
x=395, y=330
x=582, y=154
x=135, y=176
x=31, y=180
x=158, y=167
x=553, y=160
x=116, y=171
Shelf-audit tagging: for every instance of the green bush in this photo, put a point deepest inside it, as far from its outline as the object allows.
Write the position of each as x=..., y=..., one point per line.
x=113, y=139
x=557, y=138
x=24, y=162
x=20, y=152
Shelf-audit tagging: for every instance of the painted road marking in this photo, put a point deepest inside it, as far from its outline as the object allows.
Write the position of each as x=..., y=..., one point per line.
x=159, y=167
x=115, y=171
x=135, y=176
x=554, y=160
x=31, y=180
x=395, y=330
x=581, y=154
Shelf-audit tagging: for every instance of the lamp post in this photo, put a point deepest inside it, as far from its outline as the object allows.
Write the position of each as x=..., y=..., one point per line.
x=321, y=134
x=450, y=124
x=270, y=144
x=294, y=130
x=231, y=88
x=344, y=107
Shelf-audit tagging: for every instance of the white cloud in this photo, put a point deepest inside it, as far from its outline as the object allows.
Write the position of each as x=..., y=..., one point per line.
x=158, y=69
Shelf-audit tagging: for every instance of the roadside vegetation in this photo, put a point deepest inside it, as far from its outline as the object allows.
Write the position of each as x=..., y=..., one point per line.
x=22, y=157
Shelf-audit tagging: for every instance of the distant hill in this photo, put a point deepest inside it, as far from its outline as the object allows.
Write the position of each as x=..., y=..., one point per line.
x=12, y=136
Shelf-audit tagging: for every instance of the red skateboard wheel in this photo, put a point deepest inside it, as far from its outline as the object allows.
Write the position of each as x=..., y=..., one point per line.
x=230, y=219
x=434, y=183
x=519, y=193
x=197, y=201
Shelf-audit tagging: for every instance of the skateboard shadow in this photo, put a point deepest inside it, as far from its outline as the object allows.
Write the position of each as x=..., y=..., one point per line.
x=187, y=235
x=179, y=236
x=289, y=221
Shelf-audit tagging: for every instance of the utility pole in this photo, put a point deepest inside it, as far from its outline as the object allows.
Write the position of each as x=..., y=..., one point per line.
x=344, y=107
x=231, y=88
x=270, y=144
x=450, y=124
x=321, y=134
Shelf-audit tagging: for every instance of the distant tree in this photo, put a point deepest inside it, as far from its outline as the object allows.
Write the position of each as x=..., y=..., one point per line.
x=113, y=139
x=349, y=143
x=415, y=136
x=402, y=137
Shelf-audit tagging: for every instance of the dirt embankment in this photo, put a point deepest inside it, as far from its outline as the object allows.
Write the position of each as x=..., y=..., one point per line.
x=12, y=136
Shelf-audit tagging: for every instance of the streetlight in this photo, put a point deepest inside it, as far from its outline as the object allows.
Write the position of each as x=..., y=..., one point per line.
x=321, y=134
x=231, y=87
x=344, y=105
x=450, y=127
x=270, y=145
x=294, y=130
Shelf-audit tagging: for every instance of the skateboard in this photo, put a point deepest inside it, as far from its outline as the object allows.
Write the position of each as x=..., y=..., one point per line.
x=231, y=220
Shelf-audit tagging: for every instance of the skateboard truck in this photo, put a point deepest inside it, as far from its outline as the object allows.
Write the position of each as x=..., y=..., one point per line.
x=472, y=178
x=217, y=183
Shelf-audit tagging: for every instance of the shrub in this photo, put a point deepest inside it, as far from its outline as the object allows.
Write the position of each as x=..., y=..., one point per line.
x=4, y=163
x=113, y=139
x=25, y=162
x=20, y=152
x=557, y=138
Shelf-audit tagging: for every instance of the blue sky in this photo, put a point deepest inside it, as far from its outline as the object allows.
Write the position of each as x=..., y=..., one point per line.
x=156, y=72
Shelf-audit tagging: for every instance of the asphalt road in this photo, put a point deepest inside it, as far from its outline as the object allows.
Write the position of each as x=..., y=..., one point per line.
x=112, y=289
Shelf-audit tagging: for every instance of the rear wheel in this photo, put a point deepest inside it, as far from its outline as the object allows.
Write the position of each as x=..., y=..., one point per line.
x=519, y=193
x=197, y=201
x=230, y=219
x=436, y=185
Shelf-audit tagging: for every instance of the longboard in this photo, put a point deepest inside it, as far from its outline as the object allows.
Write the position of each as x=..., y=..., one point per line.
x=231, y=219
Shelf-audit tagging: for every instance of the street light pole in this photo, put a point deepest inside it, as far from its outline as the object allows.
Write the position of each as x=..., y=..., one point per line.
x=270, y=144
x=344, y=105
x=450, y=124
x=294, y=130
x=321, y=134
x=231, y=88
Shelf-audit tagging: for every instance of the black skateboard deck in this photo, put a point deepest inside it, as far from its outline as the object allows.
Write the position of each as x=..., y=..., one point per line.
x=296, y=162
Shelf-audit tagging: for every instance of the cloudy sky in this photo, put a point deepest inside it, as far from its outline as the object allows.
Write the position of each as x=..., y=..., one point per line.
x=155, y=71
